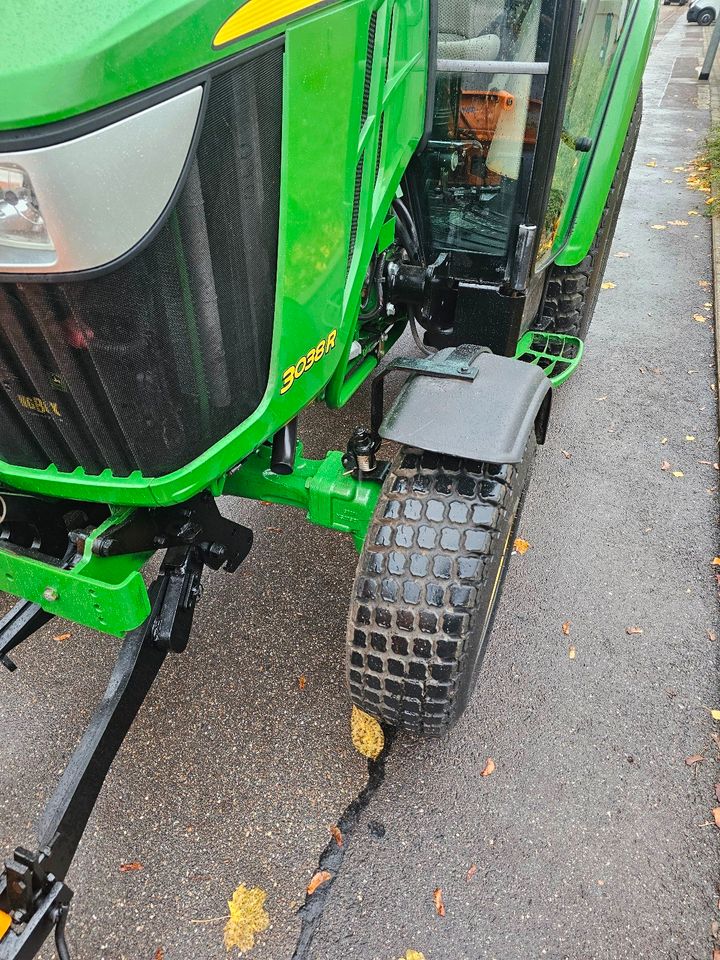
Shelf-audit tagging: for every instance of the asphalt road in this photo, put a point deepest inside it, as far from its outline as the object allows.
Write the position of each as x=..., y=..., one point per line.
x=591, y=839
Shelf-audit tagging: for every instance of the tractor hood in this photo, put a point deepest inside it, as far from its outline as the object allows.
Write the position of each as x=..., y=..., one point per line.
x=59, y=60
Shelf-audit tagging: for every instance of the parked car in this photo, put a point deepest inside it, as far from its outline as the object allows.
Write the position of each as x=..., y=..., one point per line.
x=680, y=3
x=702, y=12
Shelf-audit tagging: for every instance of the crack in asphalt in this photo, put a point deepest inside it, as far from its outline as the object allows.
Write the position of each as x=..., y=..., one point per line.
x=332, y=856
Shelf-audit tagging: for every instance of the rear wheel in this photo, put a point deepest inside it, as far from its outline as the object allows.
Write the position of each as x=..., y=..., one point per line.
x=705, y=17
x=427, y=586
x=572, y=292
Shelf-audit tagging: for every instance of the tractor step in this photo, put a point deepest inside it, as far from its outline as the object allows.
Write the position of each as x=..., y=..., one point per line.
x=557, y=354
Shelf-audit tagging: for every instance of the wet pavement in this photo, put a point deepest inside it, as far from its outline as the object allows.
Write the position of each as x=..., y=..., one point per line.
x=592, y=838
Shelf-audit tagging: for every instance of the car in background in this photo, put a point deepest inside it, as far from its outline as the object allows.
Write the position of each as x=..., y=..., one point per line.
x=702, y=12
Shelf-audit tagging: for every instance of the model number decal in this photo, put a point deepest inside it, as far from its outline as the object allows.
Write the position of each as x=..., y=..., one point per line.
x=302, y=365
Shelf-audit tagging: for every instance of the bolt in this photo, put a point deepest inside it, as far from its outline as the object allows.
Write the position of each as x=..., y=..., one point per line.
x=465, y=369
x=50, y=594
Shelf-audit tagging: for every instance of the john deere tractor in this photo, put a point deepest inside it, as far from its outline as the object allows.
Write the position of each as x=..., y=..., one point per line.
x=213, y=215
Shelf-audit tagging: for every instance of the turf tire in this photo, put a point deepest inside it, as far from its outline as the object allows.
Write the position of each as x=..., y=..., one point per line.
x=572, y=292
x=427, y=585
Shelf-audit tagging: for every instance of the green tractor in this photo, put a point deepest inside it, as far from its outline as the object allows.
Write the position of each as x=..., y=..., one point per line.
x=212, y=216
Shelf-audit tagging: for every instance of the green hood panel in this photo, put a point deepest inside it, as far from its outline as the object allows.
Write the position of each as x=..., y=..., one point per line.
x=58, y=60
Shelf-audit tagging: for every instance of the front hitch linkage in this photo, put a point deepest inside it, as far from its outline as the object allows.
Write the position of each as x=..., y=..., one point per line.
x=33, y=894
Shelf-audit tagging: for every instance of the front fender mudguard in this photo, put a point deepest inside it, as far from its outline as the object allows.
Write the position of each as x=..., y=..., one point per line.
x=489, y=418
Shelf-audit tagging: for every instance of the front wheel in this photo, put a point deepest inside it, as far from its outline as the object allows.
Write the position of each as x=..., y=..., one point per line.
x=705, y=18
x=427, y=586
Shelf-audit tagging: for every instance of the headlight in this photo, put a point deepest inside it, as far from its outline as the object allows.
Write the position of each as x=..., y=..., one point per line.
x=21, y=222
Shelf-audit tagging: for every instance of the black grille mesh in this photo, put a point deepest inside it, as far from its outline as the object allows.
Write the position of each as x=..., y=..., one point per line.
x=148, y=366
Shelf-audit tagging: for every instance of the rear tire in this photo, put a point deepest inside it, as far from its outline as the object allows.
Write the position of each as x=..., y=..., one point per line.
x=705, y=18
x=572, y=292
x=427, y=586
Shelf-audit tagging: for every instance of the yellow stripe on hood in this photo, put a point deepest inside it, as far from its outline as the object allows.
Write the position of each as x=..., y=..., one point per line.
x=257, y=14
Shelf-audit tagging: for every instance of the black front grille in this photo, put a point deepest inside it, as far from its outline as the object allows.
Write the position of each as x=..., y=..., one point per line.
x=148, y=366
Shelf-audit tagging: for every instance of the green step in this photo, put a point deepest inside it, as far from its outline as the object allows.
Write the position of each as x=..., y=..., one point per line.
x=558, y=354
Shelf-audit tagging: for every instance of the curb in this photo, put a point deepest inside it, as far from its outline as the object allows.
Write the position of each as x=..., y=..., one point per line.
x=713, y=87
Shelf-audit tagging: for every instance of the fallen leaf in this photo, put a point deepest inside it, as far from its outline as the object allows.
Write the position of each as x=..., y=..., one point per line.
x=715, y=714
x=716, y=816
x=336, y=835
x=668, y=181
x=274, y=529
x=659, y=226
x=693, y=213
x=159, y=954
x=62, y=637
x=712, y=200
x=438, y=901
x=566, y=454
x=716, y=562
x=366, y=733
x=473, y=869
x=521, y=546
x=679, y=169
x=319, y=878
x=633, y=631
x=711, y=635
x=651, y=163
x=572, y=653
x=689, y=437
x=248, y=917
x=302, y=681
x=703, y=283
x=678, y=223
x=130, y=867
x=621, y=254
x=663, y=441
x=678, y=473
x=699, y=318
x=413, y=955
x=708, y=304
x=566, y=628
x=608, y=285
x=664, y=464
x=489, y=768
x=695, y=758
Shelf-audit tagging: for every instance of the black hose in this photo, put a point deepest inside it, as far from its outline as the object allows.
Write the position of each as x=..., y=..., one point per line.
x=61, y=914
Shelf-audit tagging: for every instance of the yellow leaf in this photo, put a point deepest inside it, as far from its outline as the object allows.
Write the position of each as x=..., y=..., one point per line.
x=318, y=879
x=571, y=653
x=678, y=223
x=489, y=768
x=412, y=955
x=712, y=200
x=703, y=283
x=678, y=473
x=699, y=318
x=716, y=562
x=608, y=285
x=367, y=734
x=693, y=213
x=664, y=441
x=659, y=226
x=248, y=917
x=521, y=546
x=679, y=169
x=689, y=436
x=651, y=163
x=668, y=181
x=621, y=255
x=715, y=714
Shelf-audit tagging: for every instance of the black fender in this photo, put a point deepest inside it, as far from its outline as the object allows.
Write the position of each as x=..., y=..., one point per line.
x=489, y=418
